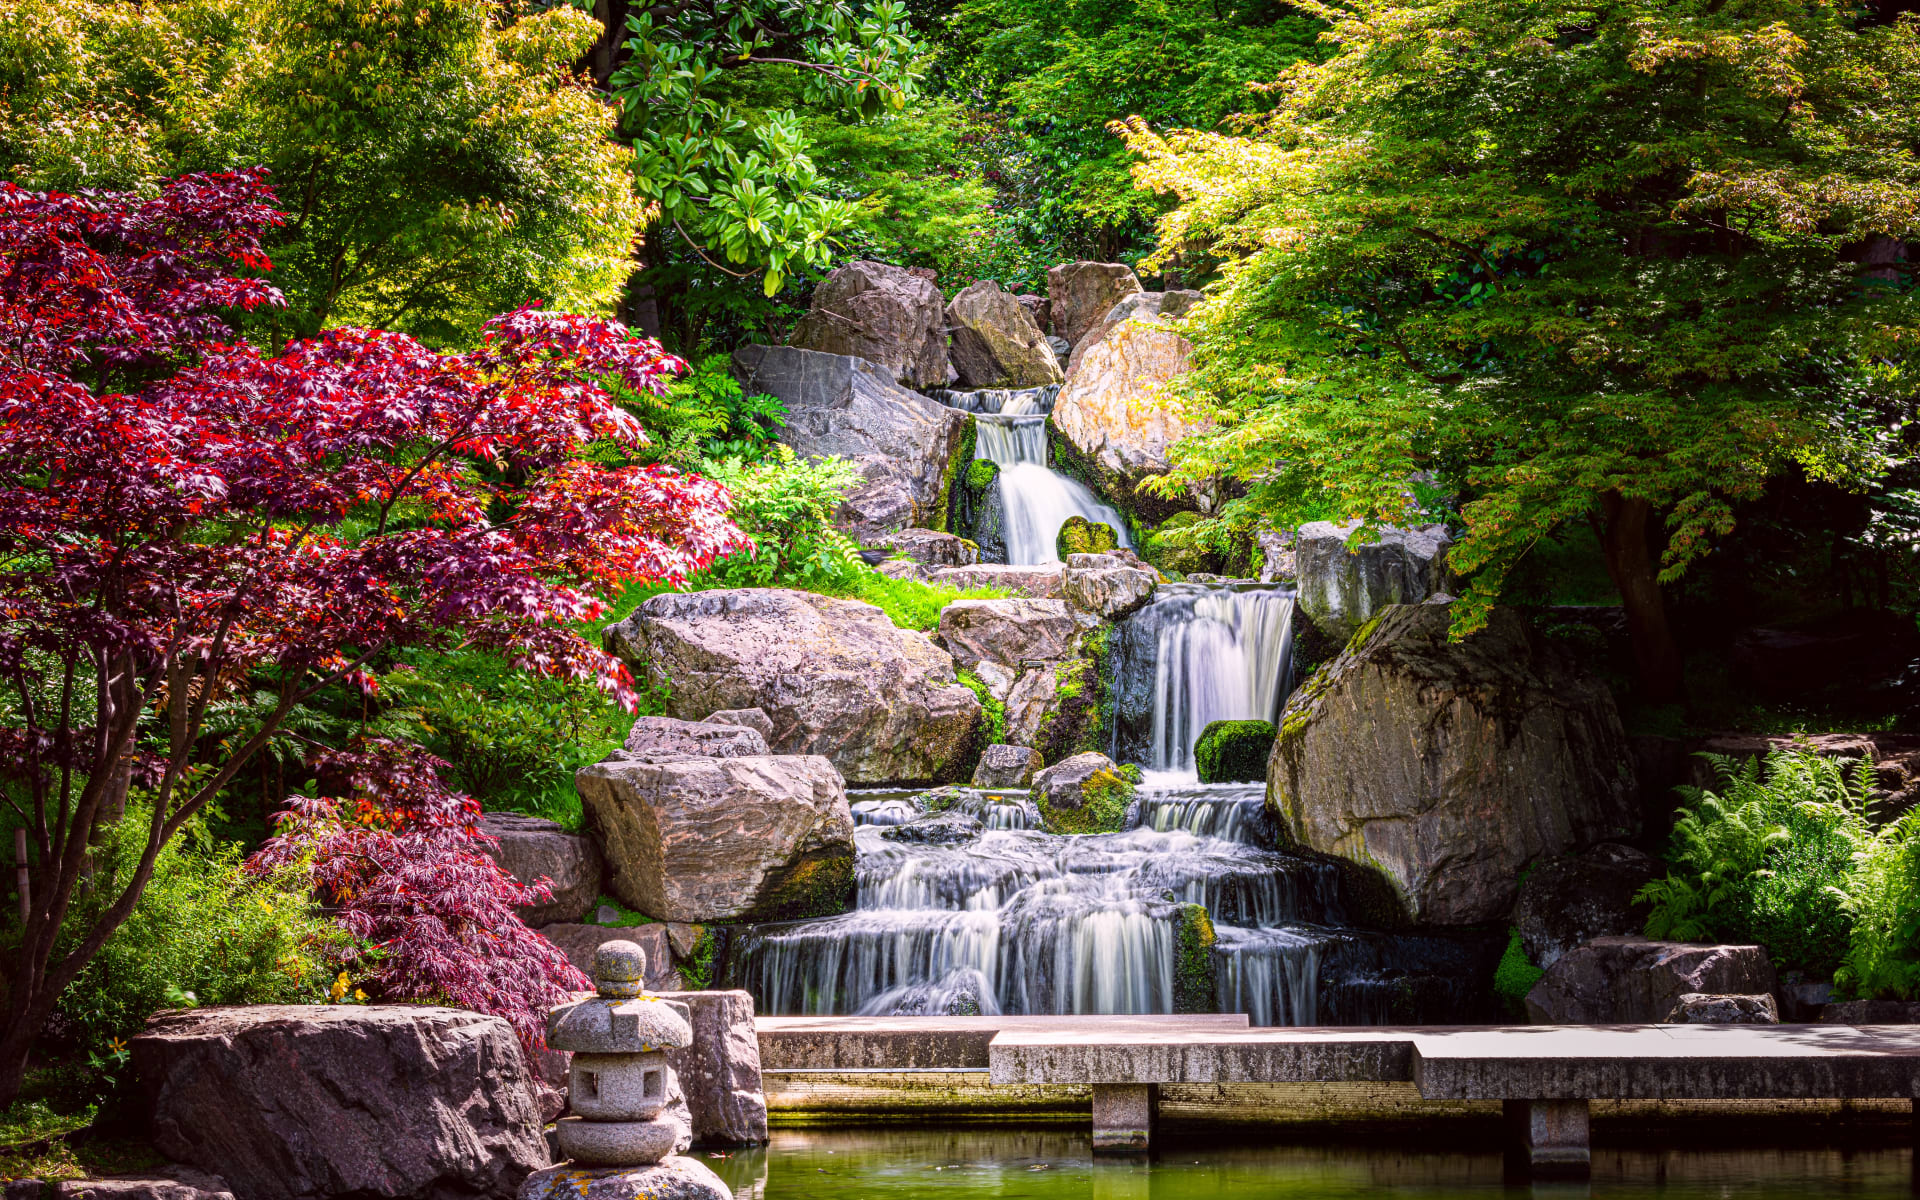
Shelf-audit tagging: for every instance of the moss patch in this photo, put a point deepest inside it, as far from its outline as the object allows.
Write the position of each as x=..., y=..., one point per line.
x=1515, y=976
x=982, y=474
x=996, y=727
x=1233, y=751
x=1104, y=800
x=1193, y=990
x=957, y=468
x=820, y=884
x=1080, y=536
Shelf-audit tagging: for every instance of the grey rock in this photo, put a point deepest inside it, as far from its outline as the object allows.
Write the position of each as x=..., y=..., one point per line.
x=941, y=829
x=1107, y=593
x=1009, y=632
x=752, y=718
x=1341, y=590
x=1062, y=350
x=1060, y=784
x=1036, y=582
x=720, y=1072
x=323, y=1101
x=836, y=677
x=1450, y=766
x=683, y=936
x=670, y=736
x=1136, y=306
x=884, y=314
x=1003, y=766
x=171, y=1182
x=579, y=942
x=995, y=342
x=723, y=839
x=1114, y=409
x=903, y=568
x=1803, y=1002
x=1096, y=562
x=932, y=548
x=903, y=443
x=672, y=1178
x=532, y=848
x=1081, y=293
x=1635, y=981
x=1871, y=1012
x=606, y=914
x=1698, y=1008
x=1573, y=899
x=1276, y=556
x=1034, y=696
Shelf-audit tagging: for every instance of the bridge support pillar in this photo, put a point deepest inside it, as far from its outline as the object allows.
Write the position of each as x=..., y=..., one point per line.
x=1553, y=1136
x=1123, y=1117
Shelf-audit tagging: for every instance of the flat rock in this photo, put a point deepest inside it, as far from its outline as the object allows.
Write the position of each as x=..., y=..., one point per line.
x=321, y=1101
x=1109, y=593
x=884, y=314
x=1697, y=1008
x=1636, y=981
x=1450, y=766
x=903, y=443
x=1573, y=899
x=1080, y=293
x=941, y=829
x=1003, y=766
x=932, y=548
x=1871, y=1012
x=724, y=839
x=752, y=718
x=720, y=1072
x=1009, y=632
x=1042, y=582
x=835, y=677
x=171, y=1182
x=1060, y=784
x=995, y=341
x=579, y=942
x=1340, y=589
x=672, y=1178
x=672, y=736
x=532, y=848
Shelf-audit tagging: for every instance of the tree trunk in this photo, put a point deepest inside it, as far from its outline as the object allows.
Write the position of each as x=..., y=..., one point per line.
x=643, y=304
x=1623, y=531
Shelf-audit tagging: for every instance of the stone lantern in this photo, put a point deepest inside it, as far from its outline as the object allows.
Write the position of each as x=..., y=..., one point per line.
x=618, y=1083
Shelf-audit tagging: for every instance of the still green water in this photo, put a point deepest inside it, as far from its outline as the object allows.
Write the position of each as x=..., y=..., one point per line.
x=969, y=1164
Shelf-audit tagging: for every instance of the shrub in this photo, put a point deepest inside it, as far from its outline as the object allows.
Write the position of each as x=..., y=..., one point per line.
x=1233, y=751
x=1883, y=953
x=1515, y=976
x=1770, y=858
x=786, y=504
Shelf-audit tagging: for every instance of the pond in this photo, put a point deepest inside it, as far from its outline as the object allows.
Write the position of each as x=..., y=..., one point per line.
x=846, y=1164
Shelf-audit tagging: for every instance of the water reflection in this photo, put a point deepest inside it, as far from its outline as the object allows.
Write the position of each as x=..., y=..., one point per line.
x=959, y=1164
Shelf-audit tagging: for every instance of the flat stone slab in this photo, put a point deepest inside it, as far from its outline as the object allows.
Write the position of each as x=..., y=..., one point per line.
x=940, y=1043
x=1177, y=1054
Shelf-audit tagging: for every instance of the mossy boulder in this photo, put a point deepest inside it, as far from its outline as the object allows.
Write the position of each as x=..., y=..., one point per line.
x=1193, y=986
x=1080, y=536
x=1087, y=793
x=1233, y=751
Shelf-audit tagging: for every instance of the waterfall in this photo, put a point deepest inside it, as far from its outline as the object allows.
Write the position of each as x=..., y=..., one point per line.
x=1220, y=655
x=1010, y=430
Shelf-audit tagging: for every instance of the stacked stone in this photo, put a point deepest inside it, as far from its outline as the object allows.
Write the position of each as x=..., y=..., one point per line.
x=619, y=1138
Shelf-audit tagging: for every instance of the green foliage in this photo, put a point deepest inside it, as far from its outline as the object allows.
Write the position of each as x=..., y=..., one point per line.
x=996, y=732
x=1569, y=262
x=737, y=181
x=1883, y=953
x=1233, y=751
x=437, y=162
x=704, y=416
x=697, y=967
x=911, y=603
x=1770, y=858
x=1193, y=984
x=982, y=474
x=622, y=917
x=1104, y=799
x=1080, y=536
x=786, y=504
x=202, y=933
x=1515, y=975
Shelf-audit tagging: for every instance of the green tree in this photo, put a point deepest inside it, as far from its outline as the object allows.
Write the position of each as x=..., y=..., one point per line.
x=437, y=159
x=1618, y=264
x=737, y=183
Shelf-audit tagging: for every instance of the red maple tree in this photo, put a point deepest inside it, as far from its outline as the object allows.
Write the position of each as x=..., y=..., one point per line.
x=185, y=520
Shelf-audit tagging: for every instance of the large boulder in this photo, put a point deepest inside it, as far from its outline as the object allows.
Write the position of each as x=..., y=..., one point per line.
x=1108, y=593
x=1112, y=411
x=1573, y=899
x=1079, y=294
x=311, y=1102
x=1138, y=306
x=1004, y=766
x=1008, y=632
x=1450, y=766
x=1634, y=981
x=904, y=444
x=884, y=314
x=720, y=1072
x=995, y=342
x=835, y=677
x=670, y=735
x=532, y=848
x=1341, y=589
x=723, y=839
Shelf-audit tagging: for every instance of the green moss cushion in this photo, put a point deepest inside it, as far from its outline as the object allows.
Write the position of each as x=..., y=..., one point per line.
x=1233, y=751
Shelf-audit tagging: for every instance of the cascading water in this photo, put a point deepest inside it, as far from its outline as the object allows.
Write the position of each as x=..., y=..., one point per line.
x=1010, y=430
x=1221, y=654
